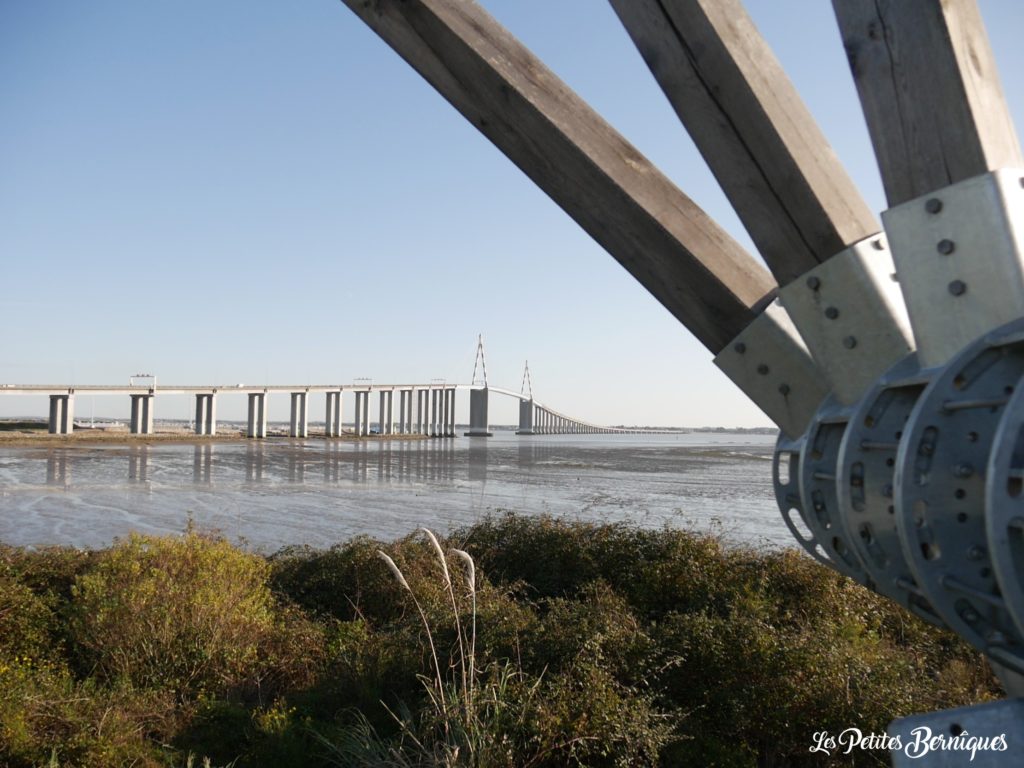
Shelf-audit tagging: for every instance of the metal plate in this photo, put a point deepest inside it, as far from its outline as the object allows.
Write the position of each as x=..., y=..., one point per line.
x=940, y=491
x=865, y=488
x=786, y=480
x=770, y=363
x=818, y=462
x=1004, y=515
x=850, y=311
x=959, y=258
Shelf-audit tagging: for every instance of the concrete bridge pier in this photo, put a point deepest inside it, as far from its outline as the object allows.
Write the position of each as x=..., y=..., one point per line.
x=404, y=411
x=525, y=417
x=142, y=414
x=448, y=423
x=300, y=420
x=257, y=415
x=206, y=415
x=386, y=422
x=435, y=408
x=332, y=414
x=422, y=408
x=478, y=423
x=62, y=414
x=362, y=414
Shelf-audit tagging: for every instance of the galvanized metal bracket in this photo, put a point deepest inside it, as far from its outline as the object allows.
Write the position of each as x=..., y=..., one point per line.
x=960, y=261
x=866, y=483
x=940, y=491
x=770, y=363
x=786, y=481
x=850, y=313
x=1004, y=505
x=818, y=462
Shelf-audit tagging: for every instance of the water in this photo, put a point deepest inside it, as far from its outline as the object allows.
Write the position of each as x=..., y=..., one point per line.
x=278, y=492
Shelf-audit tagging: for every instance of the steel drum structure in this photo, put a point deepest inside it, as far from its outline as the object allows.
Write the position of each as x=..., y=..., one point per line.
x=890, y=354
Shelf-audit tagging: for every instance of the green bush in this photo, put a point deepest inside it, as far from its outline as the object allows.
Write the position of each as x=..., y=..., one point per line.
x=45, y=715
x=27, y=625
x=599, y=645
x=188, y=614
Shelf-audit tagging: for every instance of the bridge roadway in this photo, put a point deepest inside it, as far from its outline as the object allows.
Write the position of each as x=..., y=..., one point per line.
x=423, y=409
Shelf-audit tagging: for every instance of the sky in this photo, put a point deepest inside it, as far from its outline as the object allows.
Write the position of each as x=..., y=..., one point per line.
x=265, y=193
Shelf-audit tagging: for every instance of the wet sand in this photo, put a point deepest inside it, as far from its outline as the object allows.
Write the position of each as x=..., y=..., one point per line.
x=282, y=491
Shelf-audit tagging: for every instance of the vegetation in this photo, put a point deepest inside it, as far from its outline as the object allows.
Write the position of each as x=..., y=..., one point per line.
x=515, y=642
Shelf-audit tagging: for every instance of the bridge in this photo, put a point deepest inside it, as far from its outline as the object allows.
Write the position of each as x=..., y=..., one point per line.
x=422, y=409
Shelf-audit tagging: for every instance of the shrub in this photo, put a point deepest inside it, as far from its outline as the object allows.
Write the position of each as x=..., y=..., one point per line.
x=187, y=613
x=26, y=623
x=46, y=717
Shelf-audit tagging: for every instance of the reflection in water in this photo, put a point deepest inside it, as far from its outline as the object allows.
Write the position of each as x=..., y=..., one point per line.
x=478, y=459
x=254, y=453
x=296, y=467
x=138, y=463
x=202, y=463
x=278, y=491
x=57, y=468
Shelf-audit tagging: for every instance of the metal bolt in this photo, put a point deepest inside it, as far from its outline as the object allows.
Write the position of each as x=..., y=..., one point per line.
x=958, y=287
x=784, y=389
x=740, y=347
x=976, y=552
x=963, y=470
x=813, y=283
x=831, y=313
x=762, y=369
x=933, y=205
x=946, y=247
x=969, y=615
x=850, y=342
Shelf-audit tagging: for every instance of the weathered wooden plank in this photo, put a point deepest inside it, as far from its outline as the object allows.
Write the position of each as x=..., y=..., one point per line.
x=691, y=265
x=930, y=92
x=757, y=136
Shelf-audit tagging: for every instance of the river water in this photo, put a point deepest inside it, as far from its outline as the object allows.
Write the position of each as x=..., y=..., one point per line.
x=278, y=492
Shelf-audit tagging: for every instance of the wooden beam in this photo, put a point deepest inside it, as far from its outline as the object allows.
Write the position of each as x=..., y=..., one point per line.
x=746, y=118
x=930, y=92
x=689, y=263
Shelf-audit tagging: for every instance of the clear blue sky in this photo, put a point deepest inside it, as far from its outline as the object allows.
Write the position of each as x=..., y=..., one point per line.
x=258, y=192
